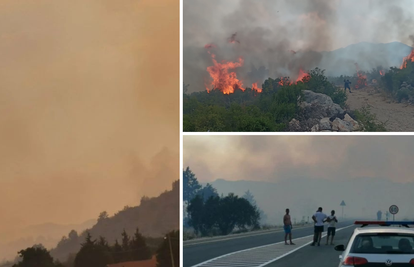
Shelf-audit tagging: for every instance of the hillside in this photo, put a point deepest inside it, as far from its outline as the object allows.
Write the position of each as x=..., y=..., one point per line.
x=367, y=55
x=363, y=197
x=48, y=234
x=154, y=217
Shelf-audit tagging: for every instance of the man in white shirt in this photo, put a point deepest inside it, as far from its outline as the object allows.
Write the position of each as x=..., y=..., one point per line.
x=331, y=227
x=319, y=218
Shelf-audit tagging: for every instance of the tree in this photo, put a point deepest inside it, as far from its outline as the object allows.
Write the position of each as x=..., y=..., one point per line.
x=93, y=254
x=190, y=185
x=103, y=243
x=164, y=251
x=117, y=252
x=207, y=191
x=126, y=256
x=36, y=256
x=249, y=197
x=196, y=213
x=223, y=213
x=102, y=216
x=139, y=248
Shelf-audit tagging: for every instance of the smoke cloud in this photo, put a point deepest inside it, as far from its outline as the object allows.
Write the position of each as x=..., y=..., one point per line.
x=268, y=32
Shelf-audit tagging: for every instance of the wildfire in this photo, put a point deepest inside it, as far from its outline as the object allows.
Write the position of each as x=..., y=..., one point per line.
x=408, y=58
x=209, y=46
x=302, y=75
x=224, y=80
x=256, y=88
x=382, y=73
x=362, y=79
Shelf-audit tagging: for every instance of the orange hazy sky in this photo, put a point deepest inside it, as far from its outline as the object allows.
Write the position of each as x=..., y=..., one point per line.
x=89, y=107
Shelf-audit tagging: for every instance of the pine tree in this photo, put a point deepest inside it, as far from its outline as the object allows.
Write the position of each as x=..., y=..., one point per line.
x=126, y=247
x=117, y=252
x=139, y=248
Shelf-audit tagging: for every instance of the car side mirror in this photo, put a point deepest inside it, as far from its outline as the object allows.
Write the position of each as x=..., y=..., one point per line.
x=340, y=248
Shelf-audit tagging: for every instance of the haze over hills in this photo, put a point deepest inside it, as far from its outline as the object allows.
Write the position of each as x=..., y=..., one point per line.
x=363, y=196
x=154, y=217
x=366, y=55
x=48, y=234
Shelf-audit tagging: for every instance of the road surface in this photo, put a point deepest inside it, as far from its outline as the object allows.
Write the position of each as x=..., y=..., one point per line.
x=323, y=256
x=262, y=248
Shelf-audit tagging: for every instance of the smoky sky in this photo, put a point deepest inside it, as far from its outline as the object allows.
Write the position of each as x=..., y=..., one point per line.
x=277, y=158
x=268, y=31
x=89, y=107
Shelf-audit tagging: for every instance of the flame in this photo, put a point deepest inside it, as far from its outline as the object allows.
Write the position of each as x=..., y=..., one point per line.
x=408, y=58
x=208, y=46
x=362, y=79
x=256, y=88
x=223, y=80
x=382, y=73
x=302, y=75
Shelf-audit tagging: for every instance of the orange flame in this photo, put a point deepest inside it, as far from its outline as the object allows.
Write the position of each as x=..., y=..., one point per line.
x=208, y=46
x=408, y=58
x=362, y=79
x=382, y=73
x=223, y=80
x=302, y=75
x=256, y=88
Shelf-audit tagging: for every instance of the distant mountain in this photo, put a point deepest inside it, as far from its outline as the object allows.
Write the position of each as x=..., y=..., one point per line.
x=366, y=55
x=363, y=197
x=154, y=217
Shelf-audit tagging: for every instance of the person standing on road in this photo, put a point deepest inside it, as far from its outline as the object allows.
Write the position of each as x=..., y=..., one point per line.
x=287, y=226
x=331, y=227
x=379, y=215
x=319, y=218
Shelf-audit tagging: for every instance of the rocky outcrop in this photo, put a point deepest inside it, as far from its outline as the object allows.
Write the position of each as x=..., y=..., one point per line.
x=320, y=114
x=316, y=105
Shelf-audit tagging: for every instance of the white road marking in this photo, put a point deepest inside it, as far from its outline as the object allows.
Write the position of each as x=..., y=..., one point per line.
x=259, y=256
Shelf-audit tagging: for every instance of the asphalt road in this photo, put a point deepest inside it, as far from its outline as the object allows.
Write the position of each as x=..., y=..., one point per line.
x=323, y=256
x=197, y=253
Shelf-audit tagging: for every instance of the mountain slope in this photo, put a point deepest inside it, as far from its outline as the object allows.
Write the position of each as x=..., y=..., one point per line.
x=154, y=217
x=367, y=55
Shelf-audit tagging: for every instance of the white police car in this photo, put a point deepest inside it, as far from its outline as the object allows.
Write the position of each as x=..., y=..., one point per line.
x=379, y=246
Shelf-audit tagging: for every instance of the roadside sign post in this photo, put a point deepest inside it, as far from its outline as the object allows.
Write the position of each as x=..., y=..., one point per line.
x=343, y=205
x=393, y=210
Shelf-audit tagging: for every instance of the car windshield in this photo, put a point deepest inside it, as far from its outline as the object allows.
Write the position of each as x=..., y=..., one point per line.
x=383, y=243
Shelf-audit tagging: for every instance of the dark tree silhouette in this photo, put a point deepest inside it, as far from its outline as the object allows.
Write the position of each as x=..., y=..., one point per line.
x=190, y=185
x=139, y=248
x=165, y=250
x=93, y=254
x=36, y=256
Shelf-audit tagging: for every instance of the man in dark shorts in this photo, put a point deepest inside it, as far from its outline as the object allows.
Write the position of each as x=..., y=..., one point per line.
x=331, y=227
x=347, y=85
x=287, y=226
x=319, y=218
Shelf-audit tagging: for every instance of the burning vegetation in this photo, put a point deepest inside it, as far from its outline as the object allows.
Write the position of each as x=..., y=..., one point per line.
x=409, y=58
x=362, y=79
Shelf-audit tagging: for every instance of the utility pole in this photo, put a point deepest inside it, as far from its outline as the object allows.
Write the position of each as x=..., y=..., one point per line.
x=172, y=257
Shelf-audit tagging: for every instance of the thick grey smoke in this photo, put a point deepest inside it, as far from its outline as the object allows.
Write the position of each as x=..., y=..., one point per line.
x=283, y=36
